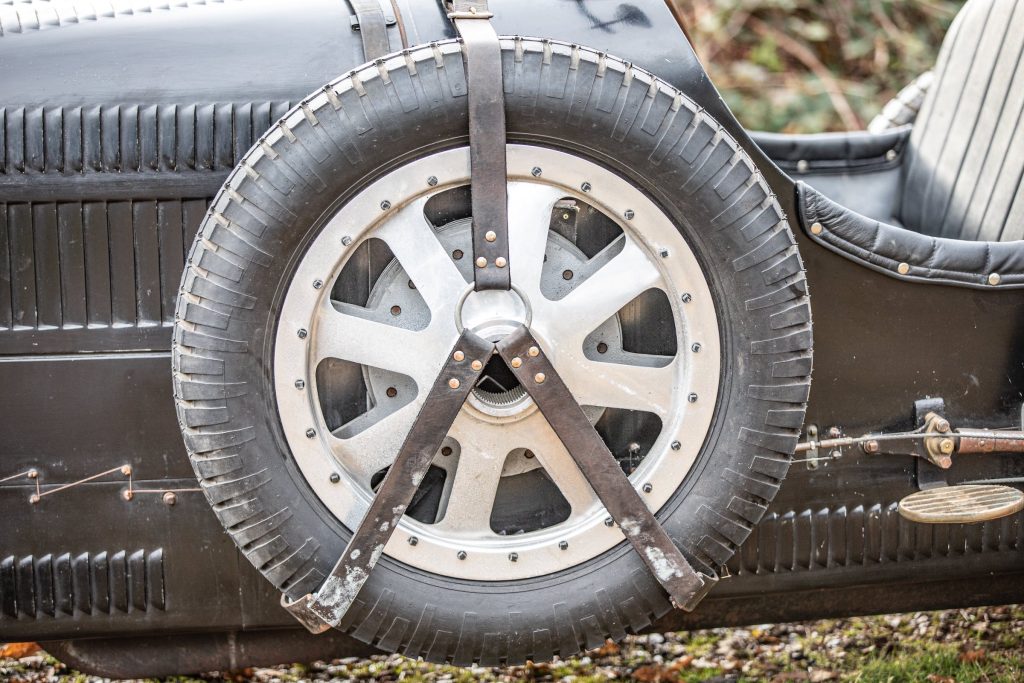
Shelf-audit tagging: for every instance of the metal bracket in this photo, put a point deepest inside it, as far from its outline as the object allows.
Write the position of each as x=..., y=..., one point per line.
x=326, y=608
x=685, y=585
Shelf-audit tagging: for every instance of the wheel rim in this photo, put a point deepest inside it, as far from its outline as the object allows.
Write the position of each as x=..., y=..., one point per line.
x=400, y=337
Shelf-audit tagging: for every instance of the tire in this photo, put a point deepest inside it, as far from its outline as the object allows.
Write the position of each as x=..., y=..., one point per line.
x=377, y=118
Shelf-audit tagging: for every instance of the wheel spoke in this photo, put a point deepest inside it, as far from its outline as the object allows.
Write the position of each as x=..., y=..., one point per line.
x=375, y=439
x=529, y=222
x=540, y=438
x=617, y=385
x=414, y=243
x=349, y=335
x=481, y=459
x=604, y=293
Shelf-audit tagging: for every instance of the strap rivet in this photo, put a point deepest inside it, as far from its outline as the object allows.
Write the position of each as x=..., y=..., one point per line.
x=490, y=236
x=539, y=378
x=476, y=365
x=454, y=383
x=459, y=356
x=481, y=262
x=170, y=498
x=517, y=362
x=500, y=262
x=533, y=352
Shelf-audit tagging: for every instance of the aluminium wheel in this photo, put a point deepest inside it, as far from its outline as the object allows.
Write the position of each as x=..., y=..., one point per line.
x=327, y=285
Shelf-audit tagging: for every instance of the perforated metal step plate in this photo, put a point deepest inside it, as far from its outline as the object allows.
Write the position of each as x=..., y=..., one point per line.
x=962, y=504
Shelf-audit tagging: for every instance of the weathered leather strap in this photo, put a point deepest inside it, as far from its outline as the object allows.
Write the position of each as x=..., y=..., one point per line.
x=482, y=54
x=373, y=28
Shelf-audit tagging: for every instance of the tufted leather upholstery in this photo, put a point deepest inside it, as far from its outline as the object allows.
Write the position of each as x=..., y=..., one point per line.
x=962, y=176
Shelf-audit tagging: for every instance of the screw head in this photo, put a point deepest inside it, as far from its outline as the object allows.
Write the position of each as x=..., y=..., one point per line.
x=539, y=378
x=533, y=352
x=302, y=333
x=676, y=445
x=335, y=477
x=871, y=446
x=687, y=298
x=535, y=172
x=459, y=356
x=310, y=433
x=501, y=262
x=432, y=180
x=648, y=488
x=300, y=384
x=692, y=398
x=461, y=554
x=454, y=383
x=346, y=240
x=563, y=545
x=586, y=187
x=413, y=540
x=513, y=557
x=602, y=347
x=476, y=365
x=317, y=284
x=695, y=347
x=490, y=236
x=169, y=498
x=385, y=205
x=608, y=521
x=516, y=362
x=481, y=262
x=629, y=214
x=663, y=253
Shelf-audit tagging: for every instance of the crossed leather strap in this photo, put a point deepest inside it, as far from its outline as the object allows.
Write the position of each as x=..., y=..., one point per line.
x=466, y=362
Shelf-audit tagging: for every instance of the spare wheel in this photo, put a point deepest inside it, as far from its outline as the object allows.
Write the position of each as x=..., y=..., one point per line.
x=319, y=303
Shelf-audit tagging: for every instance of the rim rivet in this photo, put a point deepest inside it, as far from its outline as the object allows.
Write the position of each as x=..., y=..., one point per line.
x=563, y=545
x=432, y=180
x=513, y=557
x=490, y=236
x=663, y=252
x=459, y=356
x=695, y=347
x=385, y=205
x=461, y=554
x=648, y=488
x=335, y=477
x=454, y=383
x=34, y=498
x=535, y=172
x=476, y=365
x=533, y=352
x=413, y=540
x=500, y=262
x=676, y=445
x=310, y=433
x=608, y=521
x=346, y=240
x=692, y=398
x=585, y=187
x=300, y=384
x=687, y=298
x=539, y=378
x=302, y=333
x=516, y=362
x=457, y=254
x=567, y=274
x=816, y=228
x=169, y=498
x=317, y=284
x=629, y=214
x=481, y=262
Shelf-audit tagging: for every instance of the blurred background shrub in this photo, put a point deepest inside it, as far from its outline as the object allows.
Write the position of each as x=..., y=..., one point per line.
x=806, y=66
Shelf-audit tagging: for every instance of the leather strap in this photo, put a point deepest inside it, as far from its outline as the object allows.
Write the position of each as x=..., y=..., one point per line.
x=482, y=54
x=373, y=28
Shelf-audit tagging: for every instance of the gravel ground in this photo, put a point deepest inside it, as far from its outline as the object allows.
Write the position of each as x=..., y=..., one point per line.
x=956, y=646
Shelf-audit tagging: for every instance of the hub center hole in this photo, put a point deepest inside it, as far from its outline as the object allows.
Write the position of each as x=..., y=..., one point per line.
x=498, y=386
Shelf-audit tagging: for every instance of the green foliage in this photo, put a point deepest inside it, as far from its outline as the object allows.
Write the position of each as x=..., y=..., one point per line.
x=803, y=66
